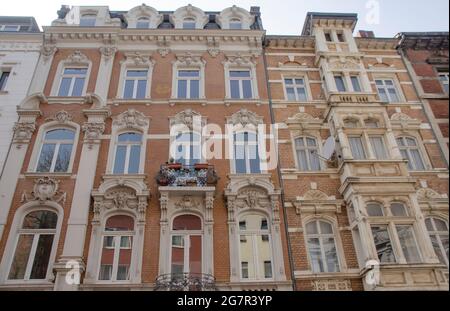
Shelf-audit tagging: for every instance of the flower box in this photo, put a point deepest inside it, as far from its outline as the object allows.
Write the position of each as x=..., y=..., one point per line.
x=201, y=166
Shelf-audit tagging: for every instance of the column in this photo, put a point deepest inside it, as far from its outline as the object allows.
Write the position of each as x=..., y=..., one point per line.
x=209, y=237
x=23, y=131
x=105, y=71
x=79, y=211
x=42, y=69
x=233, y=237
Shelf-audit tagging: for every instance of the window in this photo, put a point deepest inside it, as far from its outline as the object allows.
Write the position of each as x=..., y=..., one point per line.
x=256, y=253
x=88, y=20
x=341, y=37
x=296, y=90
x=246, y=153
x=34, y=246
x=117, y=249
x=188, y=84
x=328, y=37
x=410, y=151
x=9, y=28
x=135, y=84
x=189, y=23
x=56, y=151
x=444, y=78
x=241, y=84
x=372, y=123
x=408, y=244
x=340, y=84
x=235, y=23
x=322, y=247
x=351, y=123
x=375, y=210
x=128, y=154
x=438, y=231
x=188, y=148
x=72, y=82
x=398, y=210
x=143, y=23
x=307, y=154
x=357, y=148
x=378, y=147
x=383, y=244
x=4, y=79
x=387, y=91
x=355, y=83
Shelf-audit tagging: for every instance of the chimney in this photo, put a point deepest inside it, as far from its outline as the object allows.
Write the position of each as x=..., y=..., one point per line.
x=366, y=34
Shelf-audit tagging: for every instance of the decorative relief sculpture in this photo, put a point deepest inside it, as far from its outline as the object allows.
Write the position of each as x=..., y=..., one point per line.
x=61, y=117
x=245, y=117
x=45, y=189
x=187, y=203
x=131, y=119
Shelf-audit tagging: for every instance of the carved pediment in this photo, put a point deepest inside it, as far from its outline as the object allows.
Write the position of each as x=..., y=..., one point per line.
x=188, y=203
x=313, y=195
x=188, y=118
x=400, y=116
x=344, y=64
x=45, y=189
x=426, y=194
x=77, y=57
x=252, y=198
x=131, y=119
x=190, y=59
x=241, y=60
x=245, y=117
x=138, y=59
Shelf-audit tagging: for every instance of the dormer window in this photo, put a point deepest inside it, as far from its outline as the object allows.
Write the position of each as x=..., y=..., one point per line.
x=143, y=23
x=235, y=23
x=9, y=28
x=189, y=23
x=88, y=20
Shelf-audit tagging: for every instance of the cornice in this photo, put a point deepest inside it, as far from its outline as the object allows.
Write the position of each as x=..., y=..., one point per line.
x=290, y=42
x=377, y=43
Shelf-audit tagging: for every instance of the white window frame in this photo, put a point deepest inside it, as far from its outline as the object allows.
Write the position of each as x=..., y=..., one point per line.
x=129, y=146
x=446, y=83
x=58, y=144
x=437, y=234
x=73, y=78
x=241, y=83
x=254, y=234
x=130, y=64
x=342, y=76
x=408, y=150
x=308, y=150
x=175, y=144
x=396, y=86
x=295, y=86
x=383, y=141
x=71, y=63
x=250, y=66
x=247, y=159
x=188, y=83
x=136, y=83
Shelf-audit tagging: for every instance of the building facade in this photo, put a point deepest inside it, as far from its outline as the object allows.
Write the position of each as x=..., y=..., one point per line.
x=20, y=44
x=186, y=150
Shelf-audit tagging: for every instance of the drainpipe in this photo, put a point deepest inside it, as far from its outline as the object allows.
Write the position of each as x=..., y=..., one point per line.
x=280, y=179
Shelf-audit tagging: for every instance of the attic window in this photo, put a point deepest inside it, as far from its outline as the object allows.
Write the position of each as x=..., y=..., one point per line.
x=10, y=28
x=189, y=23
x=235, y=23
x=88, y=20
x=143, y=23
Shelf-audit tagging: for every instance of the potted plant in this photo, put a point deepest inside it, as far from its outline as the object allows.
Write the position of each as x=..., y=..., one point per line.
x=201, y=166
x=174, y=166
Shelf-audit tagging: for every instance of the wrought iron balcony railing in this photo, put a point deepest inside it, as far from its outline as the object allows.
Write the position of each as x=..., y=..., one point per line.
x=181, y=282
x=179, y=175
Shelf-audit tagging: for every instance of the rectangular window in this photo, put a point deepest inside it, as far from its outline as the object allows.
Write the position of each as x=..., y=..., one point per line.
x=10, y=28
x=88, y=20
x=387, y=91
x=296, y=90
x=340, y=84
x=244, y=268
x=268, y=269
x=383, y=244
x=188, y=84
x=355, y=83
x=241, y=84
x=328, y=37
x=357, y=147
x=135, y=84
x=4, y=79
x=444, y=78
x=341, y=37
x=247, y=160
x=408, y=244
x=378, y=147
x=72, y=82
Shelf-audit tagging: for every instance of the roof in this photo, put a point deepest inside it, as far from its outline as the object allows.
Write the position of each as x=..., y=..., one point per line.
x=27, y=24
x=424, y=40
x=311, y=16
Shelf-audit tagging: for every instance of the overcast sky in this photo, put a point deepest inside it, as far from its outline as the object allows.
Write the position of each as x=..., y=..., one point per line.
x=281, y=17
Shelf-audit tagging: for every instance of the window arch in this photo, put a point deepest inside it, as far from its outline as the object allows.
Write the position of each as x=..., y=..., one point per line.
x=255, y=249
x=322, y=247
x=118, y=235
x=35, y=246
x=351, y=123
x=128, y=153
x=409, y=148
x=438, y=231
x=372, y=123
x=56, y=151
x=375, y=209
x=398, y=209
x=307, y=150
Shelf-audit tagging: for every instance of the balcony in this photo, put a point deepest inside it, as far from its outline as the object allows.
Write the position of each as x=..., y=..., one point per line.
x=179, y=175
x=182, y=282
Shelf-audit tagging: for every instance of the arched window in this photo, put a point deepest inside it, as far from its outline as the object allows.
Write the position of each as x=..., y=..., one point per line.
x=34, y=246
x=235, y=23
x=56, y=151
x=351, y=123
x=372, y=123
x=246, y=153
x=322, y=247
x=438, y=230
x=375, y=210
x=411, y=152
x=398, y=210
x=143, y=23
x=187, y=251
x=128, y=153
x=188, y=148
x=307, y=152
x=88, y=20
x=255, y=248
x=189, y=23
x=117, y=249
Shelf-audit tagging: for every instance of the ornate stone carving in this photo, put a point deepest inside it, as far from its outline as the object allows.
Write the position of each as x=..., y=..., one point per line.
x=131, y=119
x=47, y=51
x=61, y=117
x=305, y=117
x=189, y=118
x=425, y=194
x=188, y=203
x=344, y=63
x=399, y=116
x=78, y=57
x=108, y=52
x=138, y=59
x=92, y=132
x=163, y=45
x=315, y=195
x=331, y=285
x=252, y=198
x=241, y=60
x=189, y=59
x=23, y=131
x=45, y=189
x=245, y=117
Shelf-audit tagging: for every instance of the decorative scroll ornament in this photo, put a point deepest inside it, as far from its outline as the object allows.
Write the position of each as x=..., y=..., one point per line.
x=61, y=117
x=187, y=202
x=189, y=59
x=131, y=119
x=108, y=52
x=138, y=59
x=245, y=117
x=45, y=189
x=252, y=199
x=303, y=116
x=48, y=50
x=241, y=60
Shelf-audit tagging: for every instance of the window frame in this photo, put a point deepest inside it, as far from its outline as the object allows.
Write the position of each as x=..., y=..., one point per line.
x=308, y=153
x=93, y=16
x=129, y=146
x=419, y=148
x=191, y=20
x=135, y=83
x=129, y=64
x=232, y=66
x=305, y=86
x=3, y=27
x=437, y=234
x=139, y=20
x=4, y=82
x=247, y=159
x=73, y=78
x=395, y=85
x=174, y=144
x=58, y=144
x=188, y=83
x=444, y=74
x=344, y=83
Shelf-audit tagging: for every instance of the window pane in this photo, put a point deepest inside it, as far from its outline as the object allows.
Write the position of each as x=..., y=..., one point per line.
x=78, y=87
x=440, y=225
x=42, y=257
x=130, y=137
x=3, y=79
x=437, y=247
x=189, y=73
x=356, y=85
x=65, y=87
x=383, y=244
x=316, y=255
x=302, y=94
x=75, y=71
x=240, y=74
x=105, y=272
x=137, y=73
x=417, y=159
x=195, y=89
x=189, y=25
x=182, y=89
x=40, y=220
x=119, y=164
x=135, y=158
x=331, y=255
x=398, y=210
x=315, y=162
x=289, y=81
x=235, y=93
x=19, y=264
x=408, y=243
x=302, y=160
x=87, y=21
x=60, y=134
x=244, y=269
x=375, y=210
x=142, y=24
x=123, y=273
x=46, y=158
x=247, y=89
x=383, y=96
x=141, y=89
x=268, y=269
x=393, y=95
x=291, y=94
x=311, y=228
x=340, y=83
x=378, y=148
x=63, y=159
x=325, y=228
x=357, y=148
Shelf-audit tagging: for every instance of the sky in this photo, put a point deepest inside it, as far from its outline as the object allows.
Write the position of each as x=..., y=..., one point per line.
x=280, y=17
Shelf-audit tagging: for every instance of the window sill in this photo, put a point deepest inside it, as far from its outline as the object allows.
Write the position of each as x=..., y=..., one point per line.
x=59, y=175
x=66, y=100
x=314, y=173
x=118, y=101
x=229, y=101
x=174, y=101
